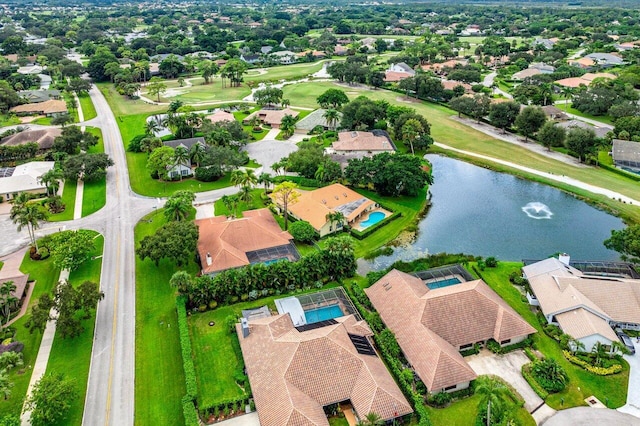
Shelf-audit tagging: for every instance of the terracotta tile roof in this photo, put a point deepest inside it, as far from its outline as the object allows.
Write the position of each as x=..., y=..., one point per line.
x=394, y=76
x=220, y=115
x=47, y=107
x=580, y=323
x=294, y=374
x=313, y=206
x=20, y=281
x=583, y=62
x=272, y=116
x=228, y=241
x=431, y=324
x=452, y=84
x=590, y=76
x=528, y=72
x=361, y=141
x=562, y=289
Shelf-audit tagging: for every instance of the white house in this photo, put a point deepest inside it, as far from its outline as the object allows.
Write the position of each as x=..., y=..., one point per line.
x=183, y=169
x=24, y=178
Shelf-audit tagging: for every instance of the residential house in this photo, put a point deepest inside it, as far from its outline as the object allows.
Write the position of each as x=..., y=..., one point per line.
x=30, y=69
x=24, y=178
x=43, y=137
x=398, y=72
x=630, y=45
x=542, y=67
x=626, y=155
x=296, y=371
x=584, y=305
x=315, y=119
x=554, y=113
x=50, y=108
x=231, y=243
x=315, y=206
x=36, y=96
x=271, y=117
x=452, y=84
x=340, y=50
x=525, y=73
x=183, y=169
x=220, y=115
x=545, y=42
x=362, y=144
x=442, y=67
x=250, y=58
x=606, y=60
x=285, y=57
x=20, y=281
x=601, y=132
x=585, y=80
x=433, y=321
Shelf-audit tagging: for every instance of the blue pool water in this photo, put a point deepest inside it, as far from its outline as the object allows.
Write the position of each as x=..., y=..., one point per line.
x=322, y=314
x=373, y=218
x=444, y=283
x=269, y=262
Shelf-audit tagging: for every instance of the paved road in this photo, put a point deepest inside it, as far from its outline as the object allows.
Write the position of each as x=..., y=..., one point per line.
x=588, y=416
x=633, y=393
x=488, y=82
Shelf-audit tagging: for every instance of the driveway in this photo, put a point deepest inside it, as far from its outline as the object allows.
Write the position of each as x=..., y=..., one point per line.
x=250, y=419
x=588, y=416
x=633, y=394
x=267, y=152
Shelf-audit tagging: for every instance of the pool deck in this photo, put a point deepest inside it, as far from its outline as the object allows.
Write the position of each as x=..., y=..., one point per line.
x=446, y=277
x=356, y=224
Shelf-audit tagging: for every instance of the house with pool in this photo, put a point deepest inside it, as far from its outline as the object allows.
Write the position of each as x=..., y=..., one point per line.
x=586, y=303
x=317, y=207
x=231, y=243
x=435, y=314
x=313, y=356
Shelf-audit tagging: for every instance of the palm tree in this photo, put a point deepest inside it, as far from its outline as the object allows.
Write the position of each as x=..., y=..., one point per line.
x=197, y=153
x=332, y=116
x=245, y=194
x=29, y=215
x=334, y=217
x=152, y=127
x=7, y=298
x=567, y=92
x=181, y=158
x=52, y=179
x=288, y=125
x=491, y=392
x=599, y=352
x=319, y=174
x=371, y=419
x=411, y=130
x=194, y=121
x=245, y=177
x=231, y=203
x=177, y=208
x=181, y=280
x=266, y=180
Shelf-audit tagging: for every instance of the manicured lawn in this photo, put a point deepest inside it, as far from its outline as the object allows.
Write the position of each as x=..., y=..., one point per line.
x=305, y=94
x=160, y=383
x=95, y=193
x=88, y=110
x=286, y=72
x=198, y=93
x=582, y=384
x=464, y=412
x=601, y=118
x=338, y=421
x=8, y=120
x=121, y=105
x=69, y=200
x=44, y=121
x=46, y=276
x=72, y=357
x=256, y=203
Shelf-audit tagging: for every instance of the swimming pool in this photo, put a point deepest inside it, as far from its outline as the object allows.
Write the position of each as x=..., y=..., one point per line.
x=269, y=262
x=443, y=283
x=373, y=218
x=322, y=314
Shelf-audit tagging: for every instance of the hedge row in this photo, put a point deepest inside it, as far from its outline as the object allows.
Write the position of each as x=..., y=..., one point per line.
x=361, y=235
x=495, y=347
x=620, y=172
x=600, y=371
x=190, y=412
x=526, y=373
x=388, y=354
x=302, y=181
x=225, y=407
x=187, y=352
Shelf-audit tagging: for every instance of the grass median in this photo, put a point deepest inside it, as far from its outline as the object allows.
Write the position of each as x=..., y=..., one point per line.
x=69, y=200
x=88, y=110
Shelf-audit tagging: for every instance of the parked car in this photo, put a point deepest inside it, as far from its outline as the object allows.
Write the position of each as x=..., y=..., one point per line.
x=626, y=340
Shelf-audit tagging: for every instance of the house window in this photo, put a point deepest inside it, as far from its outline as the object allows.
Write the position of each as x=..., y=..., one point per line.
x=185, y=172
x=448, y=388
x=339, y=225
x=467, y=346
x=504, y=342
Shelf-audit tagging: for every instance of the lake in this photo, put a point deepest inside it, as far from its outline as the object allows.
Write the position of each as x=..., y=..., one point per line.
x=481, y=212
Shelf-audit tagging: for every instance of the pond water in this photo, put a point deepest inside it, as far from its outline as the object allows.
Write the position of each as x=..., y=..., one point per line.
x=482, y=212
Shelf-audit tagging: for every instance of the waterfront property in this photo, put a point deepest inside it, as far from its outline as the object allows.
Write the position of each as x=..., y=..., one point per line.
x=24, y=178
x=626, y=155
x=313, y=308
x=316, y=207
x=585, y=305
x=295, y=372
x=231, y=243
x=436, y=315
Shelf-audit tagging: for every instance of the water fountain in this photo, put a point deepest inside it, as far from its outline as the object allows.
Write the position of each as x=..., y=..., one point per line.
x=537, y=210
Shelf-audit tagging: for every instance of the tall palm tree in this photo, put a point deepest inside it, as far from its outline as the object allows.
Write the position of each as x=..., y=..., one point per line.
x=266, y=180
x=52, y=179
x=7, y=298
x=152, y=127
x=29, y=215
x=177, y=208
x=197, y=153
x=567, y=92
x=245, y=194
x=231, y=203
x=491, y=392
x=245, y=177
x=319, y=174
x=181, y=158
x=334, y=217
x=371, y=419
x=288, y=125
x=332, y=116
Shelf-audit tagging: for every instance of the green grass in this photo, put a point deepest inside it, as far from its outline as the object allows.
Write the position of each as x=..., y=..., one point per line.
x=8, y=120
x=286, y=72
x=582, y=384
x=88, y=110
x=160, y=383
x=121, y=105
x=256, y=203
x=44, y=121
x=464, y=412
x=199, y=93
x=601, y=118
x=305, y=94
x=46, y=276
x=72, y=357
x=69, y=200
x=338, y=421
x=95, y=193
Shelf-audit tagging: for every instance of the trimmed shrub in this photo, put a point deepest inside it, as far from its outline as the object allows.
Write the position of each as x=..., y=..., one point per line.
x=361, y=235
x=549, y=374
x=600, y=371
x=526, y=373
x=189, y=411
x=208, y=174
x=303, y=231
x=134, y=144
x=187, y=352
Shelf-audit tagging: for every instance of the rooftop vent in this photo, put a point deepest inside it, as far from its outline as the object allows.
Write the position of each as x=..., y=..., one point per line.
x=324, y=201
x=209, y=260
x=354, y=134
x=344, y=194
x=564, y=258
x=336, y=197
x=245, y=327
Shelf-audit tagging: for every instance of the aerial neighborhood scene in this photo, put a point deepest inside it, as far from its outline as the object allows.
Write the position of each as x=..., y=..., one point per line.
x=320, y=213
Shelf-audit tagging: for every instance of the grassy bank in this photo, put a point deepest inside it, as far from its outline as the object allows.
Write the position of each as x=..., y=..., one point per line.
x=69, y=200
x=88, y=110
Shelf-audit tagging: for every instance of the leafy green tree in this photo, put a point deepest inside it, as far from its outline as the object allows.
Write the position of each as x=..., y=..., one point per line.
x=332, y=98
x=159, y=162
x=73, y=139
x=175, y=241
x=87, y=296
x=362, y=113
x=549, y=374
x=333, y=117
x=61, y=120
x=51, y=399
x=181, y=280
x=97, y=64
x=7, y=299
x=626, y=242
x=52, y=180
x=530, y=120
x=171, y=66
x=79, y=86
x=149, y=144
x=156, y=87
x=463, y=105
x=503, y=114
x=233, y=70
x=88, y=167
x=70, y=249
x=285, y=194
x=231, y=203
x=551, y=135
x=9, y=420
x=491, y=393
x=269, y=96
x=581, y=141
x=208, y=69
x=303, y=231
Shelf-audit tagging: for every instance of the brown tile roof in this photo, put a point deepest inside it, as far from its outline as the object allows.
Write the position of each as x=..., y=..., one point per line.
x=431, y=324
x=220, y=115
x=294, y=374
x=572, y=82
x=580, y=323
x=452, y=84
x=272, y=116
x=590, y=76
x=528, y=72
x=47, y=107
x=43, y=137
x=361, y=141
x=313, y=206
x=394, y=76
x=228, y=241
x=583, y=62
x=20, y=281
